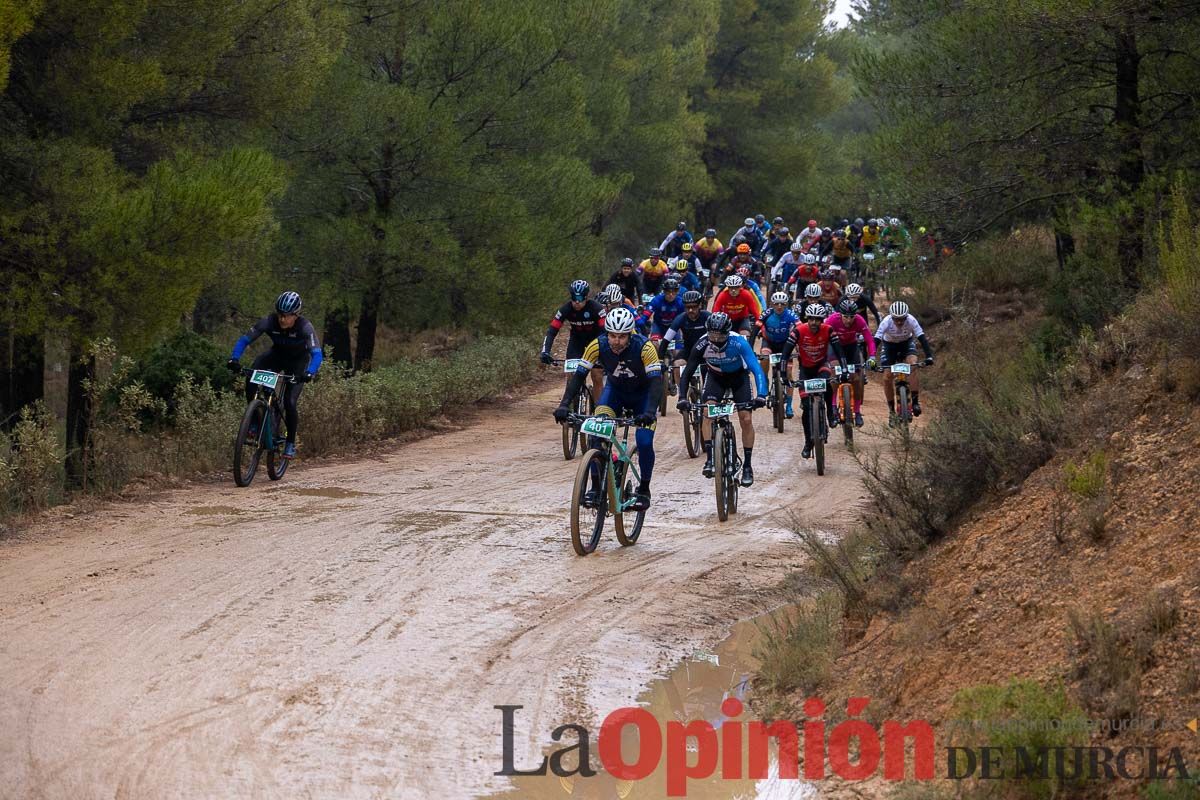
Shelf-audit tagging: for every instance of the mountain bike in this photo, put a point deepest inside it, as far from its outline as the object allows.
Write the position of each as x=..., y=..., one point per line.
x=581, y=404
x=812, y=395
x=602, y=484
x=727, y=464
x=900, y=373
x=668, y=378
x=691, y=417
x=843, y=383
x=777, y=394
x=262, y=429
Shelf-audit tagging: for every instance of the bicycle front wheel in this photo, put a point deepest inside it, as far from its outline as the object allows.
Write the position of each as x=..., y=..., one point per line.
x=587, y=514
x=733, y=479
x=719, y=469
x=777, y=399
x=902, y=407
x=847, y=407
x=246, y=448
x=822, y=426
x=276, y=463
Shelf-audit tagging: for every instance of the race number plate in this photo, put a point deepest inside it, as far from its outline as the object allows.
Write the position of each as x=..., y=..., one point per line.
x=598, y=427
x=775, y=358
x=264, y=378
x=572, y=364
x=814, y=385
x=901, y=369
x=868, y=256
x=719, y=411
x=850, y=368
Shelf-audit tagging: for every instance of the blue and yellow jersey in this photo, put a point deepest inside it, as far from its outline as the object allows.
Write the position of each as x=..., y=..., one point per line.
x=630, y=370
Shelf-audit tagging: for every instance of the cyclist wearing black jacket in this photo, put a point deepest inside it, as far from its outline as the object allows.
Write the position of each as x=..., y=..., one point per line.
x=627, y=278
x=582, y=318
x=855, y=292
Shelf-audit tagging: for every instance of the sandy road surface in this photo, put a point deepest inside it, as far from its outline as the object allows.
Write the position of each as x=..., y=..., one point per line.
x=346, y=633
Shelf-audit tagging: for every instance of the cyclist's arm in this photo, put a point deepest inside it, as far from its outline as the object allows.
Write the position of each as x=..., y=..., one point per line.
x=925, y=345
x=316, y=356
x=835, y=343
x=247, y=338
x=552, y=331
x=748, y=358
x=653, y=369
x=870, y=304
x=694, y=358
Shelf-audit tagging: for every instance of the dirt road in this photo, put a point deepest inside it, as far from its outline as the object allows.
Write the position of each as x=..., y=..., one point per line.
x=346, y=633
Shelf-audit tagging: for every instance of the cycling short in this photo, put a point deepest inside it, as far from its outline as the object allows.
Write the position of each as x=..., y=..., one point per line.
x=772, y=347
x=897, y=352
x=615, y=403
x=850, y=351
x=743, y=324
x=716, y=383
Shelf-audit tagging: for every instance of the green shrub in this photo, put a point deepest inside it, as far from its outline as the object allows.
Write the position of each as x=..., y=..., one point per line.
x=1178, y=243
x=31, y=463
x=184, y=353
x=1176, y=789
x=1087, y=478
x=1021, y=714
x=798, y=646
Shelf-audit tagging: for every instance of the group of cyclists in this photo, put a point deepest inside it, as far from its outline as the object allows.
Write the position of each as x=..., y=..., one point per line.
x=699, y=304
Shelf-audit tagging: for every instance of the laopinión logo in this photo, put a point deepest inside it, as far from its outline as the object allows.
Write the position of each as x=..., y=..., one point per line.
x=632, y=744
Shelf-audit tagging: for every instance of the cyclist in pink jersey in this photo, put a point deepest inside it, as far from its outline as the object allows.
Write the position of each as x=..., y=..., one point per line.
x=852, y=331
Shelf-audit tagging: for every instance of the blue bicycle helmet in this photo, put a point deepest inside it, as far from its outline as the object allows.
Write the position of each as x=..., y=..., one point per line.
x=580, y=289
x=288, y=303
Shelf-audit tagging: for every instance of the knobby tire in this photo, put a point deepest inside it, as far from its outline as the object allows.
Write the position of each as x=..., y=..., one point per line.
x=586, y=530
x=245, y=457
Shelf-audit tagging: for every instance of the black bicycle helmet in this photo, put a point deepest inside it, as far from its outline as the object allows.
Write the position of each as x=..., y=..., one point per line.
x=718, y=322
x=288, y=303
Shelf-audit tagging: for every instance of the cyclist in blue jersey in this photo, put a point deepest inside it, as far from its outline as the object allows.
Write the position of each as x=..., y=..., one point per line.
x=687, y=272
x=686, y=330
x=294, y=351
x=634, y=386
x=662, y=311
x=775, y=325
x=731, y=362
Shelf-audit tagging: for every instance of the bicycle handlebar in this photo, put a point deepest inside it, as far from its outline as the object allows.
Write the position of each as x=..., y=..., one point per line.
x=918, y=365
x=739, y=406
x=629, y=422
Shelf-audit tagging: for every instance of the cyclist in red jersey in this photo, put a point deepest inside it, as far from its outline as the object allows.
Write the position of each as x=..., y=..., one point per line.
x=739, y=303
x=813, y=339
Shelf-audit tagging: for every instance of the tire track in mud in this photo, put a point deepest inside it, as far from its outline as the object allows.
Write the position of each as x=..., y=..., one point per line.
x=347, y=632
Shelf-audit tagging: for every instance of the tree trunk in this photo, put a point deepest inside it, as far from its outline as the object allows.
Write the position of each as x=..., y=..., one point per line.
x=1064, y=242
x=1131, y=166
x=78, y=415
x=337, y=335
x=21, y=369
x=368, y=320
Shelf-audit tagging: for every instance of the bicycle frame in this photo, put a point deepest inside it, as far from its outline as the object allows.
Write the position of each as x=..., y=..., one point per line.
x=603, y=429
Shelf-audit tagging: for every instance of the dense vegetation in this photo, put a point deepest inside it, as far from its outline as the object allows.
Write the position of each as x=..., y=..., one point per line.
x=410, y=165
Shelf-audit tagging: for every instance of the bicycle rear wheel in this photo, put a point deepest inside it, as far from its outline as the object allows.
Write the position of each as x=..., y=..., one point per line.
x=627, y=535
x=246, y=453
x=691, y=423
x=719, y=470
x=588, y=522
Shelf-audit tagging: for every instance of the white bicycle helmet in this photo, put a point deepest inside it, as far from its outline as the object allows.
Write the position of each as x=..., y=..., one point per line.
x=619, y=320
x=812, y=290
x=898, y=309
x=733, y=281
x=816, y=310
x=779, y=297
x=796, y=247
x=854, y=290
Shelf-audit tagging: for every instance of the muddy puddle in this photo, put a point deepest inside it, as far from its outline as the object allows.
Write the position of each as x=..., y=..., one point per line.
x=212, y=511
x=695, y=690
x=335, y=492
